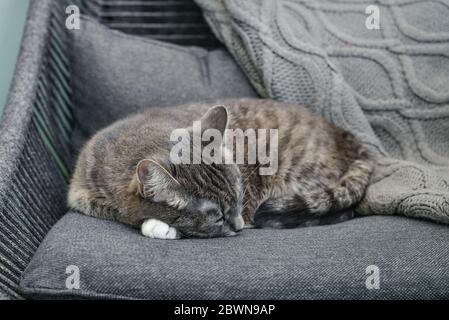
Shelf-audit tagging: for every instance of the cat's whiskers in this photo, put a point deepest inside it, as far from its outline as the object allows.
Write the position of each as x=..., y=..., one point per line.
x=251, y=173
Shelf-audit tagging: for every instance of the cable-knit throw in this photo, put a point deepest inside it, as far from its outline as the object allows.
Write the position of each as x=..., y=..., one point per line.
x=389, y=86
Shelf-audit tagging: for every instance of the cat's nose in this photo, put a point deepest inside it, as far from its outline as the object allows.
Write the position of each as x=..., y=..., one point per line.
x=237, y=223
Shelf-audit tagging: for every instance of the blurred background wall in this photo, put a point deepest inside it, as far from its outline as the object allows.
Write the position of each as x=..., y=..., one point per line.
x=12, y=22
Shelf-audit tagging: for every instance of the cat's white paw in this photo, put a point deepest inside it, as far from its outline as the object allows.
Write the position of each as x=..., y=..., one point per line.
x=157, y=229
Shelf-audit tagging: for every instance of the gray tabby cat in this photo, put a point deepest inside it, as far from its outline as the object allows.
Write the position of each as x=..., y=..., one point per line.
x=124, y=173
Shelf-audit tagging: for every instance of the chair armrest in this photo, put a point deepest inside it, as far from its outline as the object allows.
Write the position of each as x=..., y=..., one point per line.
x=34, y=142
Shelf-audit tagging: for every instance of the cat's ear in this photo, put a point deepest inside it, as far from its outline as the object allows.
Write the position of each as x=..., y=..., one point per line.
x=215, y=118
x=153, y=179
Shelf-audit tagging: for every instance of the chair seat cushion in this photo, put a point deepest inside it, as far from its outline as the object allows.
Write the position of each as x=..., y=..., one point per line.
x=115, y=261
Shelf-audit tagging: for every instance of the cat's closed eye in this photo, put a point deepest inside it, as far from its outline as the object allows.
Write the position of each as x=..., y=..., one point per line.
x=215, y=215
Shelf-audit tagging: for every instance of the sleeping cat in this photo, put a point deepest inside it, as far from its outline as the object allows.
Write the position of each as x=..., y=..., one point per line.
x=125, y=172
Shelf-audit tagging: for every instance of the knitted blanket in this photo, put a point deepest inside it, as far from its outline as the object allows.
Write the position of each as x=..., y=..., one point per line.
x=388, y=85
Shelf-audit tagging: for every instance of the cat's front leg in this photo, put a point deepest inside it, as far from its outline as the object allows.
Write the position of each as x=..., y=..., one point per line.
x=249, y=211
x=251, y=202
x=157, y=229
x=249, y=222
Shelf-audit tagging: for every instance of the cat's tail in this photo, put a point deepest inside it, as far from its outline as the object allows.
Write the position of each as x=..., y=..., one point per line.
x=326, y=206
x=350, y=189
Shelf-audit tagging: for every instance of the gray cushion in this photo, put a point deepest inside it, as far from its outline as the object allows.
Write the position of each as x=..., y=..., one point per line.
x=115, y=74
x=317, y=262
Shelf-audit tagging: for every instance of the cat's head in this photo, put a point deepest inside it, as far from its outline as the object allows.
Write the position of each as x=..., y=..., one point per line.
x=206, y=198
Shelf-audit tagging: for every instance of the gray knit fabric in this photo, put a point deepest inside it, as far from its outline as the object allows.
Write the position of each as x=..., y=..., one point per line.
x=388, y=86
